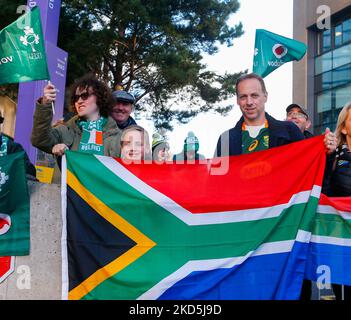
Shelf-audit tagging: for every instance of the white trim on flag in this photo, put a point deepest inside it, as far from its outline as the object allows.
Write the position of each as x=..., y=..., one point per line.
x=214, y=264
x=11, y=270
x=203, y=218
x=65, y=279
x=331, y=240
x=325, y=209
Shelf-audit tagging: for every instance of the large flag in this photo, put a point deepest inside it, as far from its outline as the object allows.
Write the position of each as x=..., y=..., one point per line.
x=175, y=231
x=14, y=206
x=22, y=50
x=330, y=250
x=273, y=50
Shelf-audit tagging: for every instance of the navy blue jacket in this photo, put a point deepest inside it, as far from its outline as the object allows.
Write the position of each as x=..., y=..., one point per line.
x=280, y=133
x=130, y=122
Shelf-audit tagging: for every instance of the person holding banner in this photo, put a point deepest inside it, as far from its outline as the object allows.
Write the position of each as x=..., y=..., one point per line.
x=257, y=130
x=340, y=181
x=92, y=130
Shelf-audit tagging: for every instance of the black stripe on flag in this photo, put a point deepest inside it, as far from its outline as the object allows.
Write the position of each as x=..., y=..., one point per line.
x=91, y=240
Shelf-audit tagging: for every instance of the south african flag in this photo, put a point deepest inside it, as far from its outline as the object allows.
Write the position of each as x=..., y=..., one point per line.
x=190, y=231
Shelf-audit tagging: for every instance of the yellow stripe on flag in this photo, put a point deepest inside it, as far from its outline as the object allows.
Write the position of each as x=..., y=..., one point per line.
x=143, y=243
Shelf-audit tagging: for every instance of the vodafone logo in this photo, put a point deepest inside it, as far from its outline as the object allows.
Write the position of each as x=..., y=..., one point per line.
x=280, y=51
x=5, y=223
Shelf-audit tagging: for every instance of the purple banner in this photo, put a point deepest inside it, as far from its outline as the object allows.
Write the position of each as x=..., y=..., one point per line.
x=50, y=17
x=57, y=63
x=29, y=92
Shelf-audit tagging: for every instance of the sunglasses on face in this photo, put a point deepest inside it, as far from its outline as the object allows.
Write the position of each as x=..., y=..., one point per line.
x=84, y=96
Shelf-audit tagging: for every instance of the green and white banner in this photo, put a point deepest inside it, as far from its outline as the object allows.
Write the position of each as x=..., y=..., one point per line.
x=14, y=206
x=22, y=50
x=273, y=50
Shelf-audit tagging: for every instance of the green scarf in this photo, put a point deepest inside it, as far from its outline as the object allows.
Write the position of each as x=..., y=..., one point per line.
x=92, y=138
x=3, y=148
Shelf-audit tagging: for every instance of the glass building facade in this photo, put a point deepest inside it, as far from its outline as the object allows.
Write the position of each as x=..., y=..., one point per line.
x=332, y=77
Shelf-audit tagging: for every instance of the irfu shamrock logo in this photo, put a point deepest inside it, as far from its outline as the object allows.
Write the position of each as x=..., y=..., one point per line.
x=30, y=38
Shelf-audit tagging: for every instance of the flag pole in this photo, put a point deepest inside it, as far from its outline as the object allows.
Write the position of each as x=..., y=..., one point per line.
x=52, y=103
x=53, y=107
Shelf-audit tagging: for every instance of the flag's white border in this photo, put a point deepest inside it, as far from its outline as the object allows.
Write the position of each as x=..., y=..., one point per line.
x=11, y=270
x=204, y=218
x=65, y=284
x=343, y=242
x=326, y=209
x=208, y=265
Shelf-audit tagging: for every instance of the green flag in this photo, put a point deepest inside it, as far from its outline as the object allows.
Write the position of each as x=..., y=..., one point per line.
x=14, y=206
x=273, y=50
x=22, y=50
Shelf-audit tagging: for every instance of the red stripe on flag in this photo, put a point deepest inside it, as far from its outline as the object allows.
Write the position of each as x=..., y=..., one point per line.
x=341, y=204
x=274, y=175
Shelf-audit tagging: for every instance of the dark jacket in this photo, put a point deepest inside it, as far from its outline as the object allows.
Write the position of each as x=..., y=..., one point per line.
x=328, y=166
x=280, y=133
x=308, y=134
x=13, y=147
x=340, y=180
x=128, y=123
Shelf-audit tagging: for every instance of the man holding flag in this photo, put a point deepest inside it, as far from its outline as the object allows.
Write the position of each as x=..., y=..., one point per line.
x=257, y=130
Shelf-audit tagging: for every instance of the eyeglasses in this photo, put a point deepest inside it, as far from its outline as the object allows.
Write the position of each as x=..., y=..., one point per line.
x=84, y=96
x=296, y=115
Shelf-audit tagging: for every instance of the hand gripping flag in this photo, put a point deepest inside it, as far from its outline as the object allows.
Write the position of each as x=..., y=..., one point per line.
x=273, y=50
x=22, y=50
x=14, y=206
x=174, y=231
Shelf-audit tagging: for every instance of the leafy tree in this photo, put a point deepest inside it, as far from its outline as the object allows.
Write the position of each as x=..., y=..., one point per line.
x=154, y=49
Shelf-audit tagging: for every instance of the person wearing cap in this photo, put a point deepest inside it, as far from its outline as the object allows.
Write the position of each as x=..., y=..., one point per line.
x=257, y=130
x=160, y=148
x=8, y=146
x=190, y=149
x=122, y=108
x=296, y=114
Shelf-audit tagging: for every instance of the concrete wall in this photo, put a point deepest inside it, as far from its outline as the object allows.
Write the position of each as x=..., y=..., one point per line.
x=44, y=261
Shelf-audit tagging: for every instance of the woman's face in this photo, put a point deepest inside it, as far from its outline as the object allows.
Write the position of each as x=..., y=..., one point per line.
x=85, y=104
x=132, y=147
x=347, y=126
